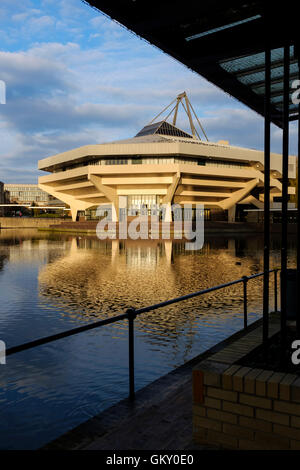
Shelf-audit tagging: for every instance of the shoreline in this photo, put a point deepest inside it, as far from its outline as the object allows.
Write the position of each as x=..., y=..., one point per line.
x=213, y=227
x=89, y=227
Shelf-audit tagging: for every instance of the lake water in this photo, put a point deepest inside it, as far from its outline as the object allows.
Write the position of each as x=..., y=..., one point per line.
x=53, y=282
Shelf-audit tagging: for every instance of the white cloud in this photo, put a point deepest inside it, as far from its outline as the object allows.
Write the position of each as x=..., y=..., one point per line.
x=27, y=75
x=18, y=17
x=36, y=24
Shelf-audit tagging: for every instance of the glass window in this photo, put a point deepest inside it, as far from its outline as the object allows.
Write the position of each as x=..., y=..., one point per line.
x=136, y=160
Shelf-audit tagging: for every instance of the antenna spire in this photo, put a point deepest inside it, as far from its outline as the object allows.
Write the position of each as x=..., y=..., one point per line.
x=187, y=106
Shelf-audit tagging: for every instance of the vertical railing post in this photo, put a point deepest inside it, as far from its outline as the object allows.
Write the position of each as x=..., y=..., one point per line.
x=131, y=316
x=275, y=291
x=245, y=280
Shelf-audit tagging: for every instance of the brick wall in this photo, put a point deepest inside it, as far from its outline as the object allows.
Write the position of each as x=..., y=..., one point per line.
x=244, y=408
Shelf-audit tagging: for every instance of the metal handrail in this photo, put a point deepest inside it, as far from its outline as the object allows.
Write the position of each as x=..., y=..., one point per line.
x=131, y=314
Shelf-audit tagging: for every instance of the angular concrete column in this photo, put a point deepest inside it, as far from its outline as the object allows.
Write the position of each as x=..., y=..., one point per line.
x=231, y=213
x=74, y=212
x=110, y=193
x=168, y=213
x=114, y=213
x=72, y=201
x=167, y=200
x=238, y=196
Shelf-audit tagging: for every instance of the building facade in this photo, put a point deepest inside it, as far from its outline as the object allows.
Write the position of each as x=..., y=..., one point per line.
x=21, y=193
x=162, y=165
x=2, y=197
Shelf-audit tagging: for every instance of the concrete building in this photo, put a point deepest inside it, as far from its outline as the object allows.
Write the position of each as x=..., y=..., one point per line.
x=2, y=197
x=162, y=165
x=21, y=193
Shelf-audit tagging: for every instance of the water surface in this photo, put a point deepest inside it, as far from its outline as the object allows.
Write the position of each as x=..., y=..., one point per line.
x=52, y=282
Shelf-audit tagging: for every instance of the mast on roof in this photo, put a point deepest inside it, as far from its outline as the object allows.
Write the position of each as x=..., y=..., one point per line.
x=181, y=98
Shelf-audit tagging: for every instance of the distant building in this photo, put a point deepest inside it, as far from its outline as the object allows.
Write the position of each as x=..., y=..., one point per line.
x=2, y=200
x=21, y=193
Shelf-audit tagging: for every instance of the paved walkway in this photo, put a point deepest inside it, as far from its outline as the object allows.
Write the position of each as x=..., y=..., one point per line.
x=160, y=417
x=163, y=425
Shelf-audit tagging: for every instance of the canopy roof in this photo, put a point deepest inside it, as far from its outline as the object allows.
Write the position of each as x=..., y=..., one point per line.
x=224, y=41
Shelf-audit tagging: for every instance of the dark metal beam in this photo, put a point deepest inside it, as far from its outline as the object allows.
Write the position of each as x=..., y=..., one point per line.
x=267, y=156
x=274, y=81
x=260, y=68
x=298, y=218
x=285, y=157
x=240, y=91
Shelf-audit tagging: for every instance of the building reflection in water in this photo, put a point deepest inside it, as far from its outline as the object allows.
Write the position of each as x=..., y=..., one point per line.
x=97, y=279
x=3, y=258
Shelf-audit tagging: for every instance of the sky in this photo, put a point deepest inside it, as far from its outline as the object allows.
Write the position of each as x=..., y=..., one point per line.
x=74, y=77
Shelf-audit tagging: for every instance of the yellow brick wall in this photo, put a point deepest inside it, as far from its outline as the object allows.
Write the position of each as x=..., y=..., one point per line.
x=238, y=407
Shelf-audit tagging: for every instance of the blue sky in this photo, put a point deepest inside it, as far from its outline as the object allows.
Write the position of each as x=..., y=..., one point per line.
x=74, y=77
